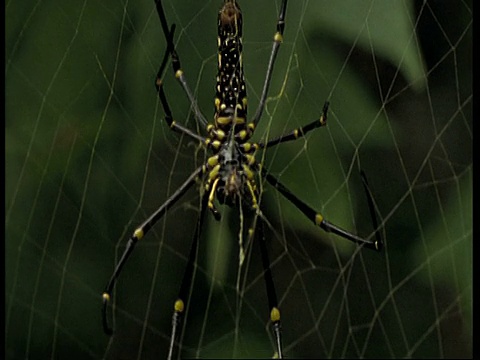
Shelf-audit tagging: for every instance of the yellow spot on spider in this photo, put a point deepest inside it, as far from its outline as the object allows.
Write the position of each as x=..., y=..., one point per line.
x=242, y=134
x=213, y=160
x=179, y=305
x=323, y=120
x=278, y=37
x=250, y=159
x=275, y=314
x=249, y=147
x=138, y=234
x=211, y=197
x=248, y=172
x=220, y=134
x=318, y=219
x=216, y=144
x=223, y=120
x=106, y=296
x=179, y=74
x=214, y=173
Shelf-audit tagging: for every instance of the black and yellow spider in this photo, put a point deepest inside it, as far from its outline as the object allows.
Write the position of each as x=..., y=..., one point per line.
x=231, y=174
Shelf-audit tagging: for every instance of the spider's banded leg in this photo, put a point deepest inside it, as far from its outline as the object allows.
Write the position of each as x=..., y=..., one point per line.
x=177, y=68
x=318, y=218
x=371, y=207
x=185, y=287
x=277, y=40
x=270, y=286
x=138, y=234
x=302, y=131
x=163, y=98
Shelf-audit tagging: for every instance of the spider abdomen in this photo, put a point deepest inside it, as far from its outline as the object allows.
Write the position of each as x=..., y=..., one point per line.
x=230, y=178
x=231, y=95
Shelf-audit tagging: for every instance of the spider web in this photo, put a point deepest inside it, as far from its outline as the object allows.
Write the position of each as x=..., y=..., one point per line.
x=89, y=157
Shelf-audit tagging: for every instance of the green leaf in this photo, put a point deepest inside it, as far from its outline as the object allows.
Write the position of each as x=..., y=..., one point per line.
x=384, y=28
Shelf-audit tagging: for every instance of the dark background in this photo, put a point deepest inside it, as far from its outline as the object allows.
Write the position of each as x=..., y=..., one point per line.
x=89, y=157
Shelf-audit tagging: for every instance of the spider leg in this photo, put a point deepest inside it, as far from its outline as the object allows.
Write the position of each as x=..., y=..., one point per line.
x=186, y=284
x=371, y=206
x=277, y=40
x=163, y=99
x=138, y=234
x=177, y=68
x=301, y=131
x=318, y=218
x=270, y=287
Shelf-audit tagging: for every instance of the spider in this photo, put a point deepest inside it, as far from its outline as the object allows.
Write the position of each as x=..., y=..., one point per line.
x=231, y=173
